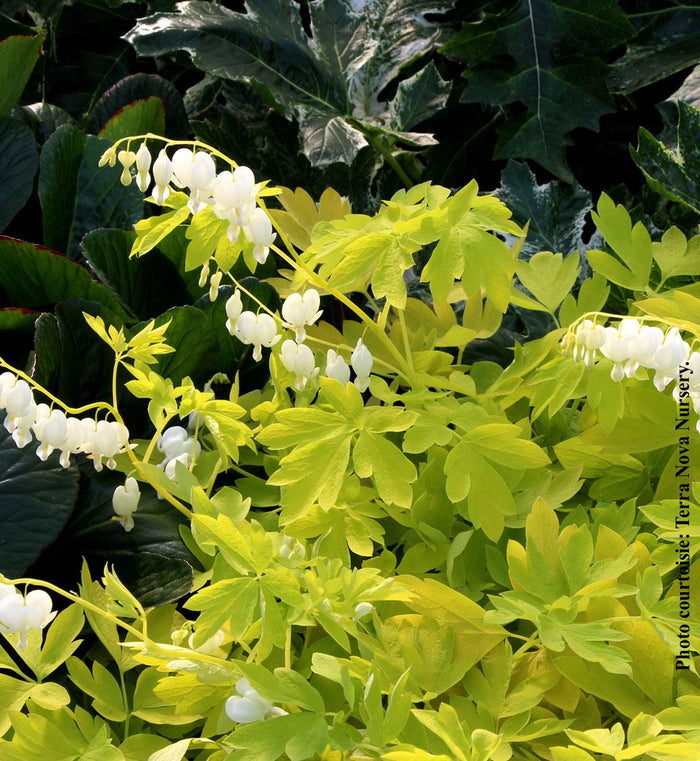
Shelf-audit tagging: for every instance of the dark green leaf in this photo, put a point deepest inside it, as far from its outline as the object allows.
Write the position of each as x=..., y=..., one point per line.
x=151, y=559
x=671, y=164
x=556, y=211
x=42, y=118
x=76, y=195
x=34, y=276
x=330, y=82
x=18, y=163
x=668, y=43
x=18, y=319
x=138, y=87
x=146, y=285
x=547, y=56
x=137, y=118
x=36, y=499
x=419, y=97
x=196, y=349
x=17, y=58
x=71, y=360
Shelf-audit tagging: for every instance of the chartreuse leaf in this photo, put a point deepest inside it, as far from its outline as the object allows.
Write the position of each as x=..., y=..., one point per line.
x=676, y=255
x=151, y=231
x=390, y=469
x=101, y=686
x=631, y=244
x=204, y=233
x=231, y=602
x=300, y=736
x=283, y=685
x=446, y=725
x=301, y=214
x=592, y=296
x=548, y=277
x=18, y=54
x=313, y=472
x=468, y=250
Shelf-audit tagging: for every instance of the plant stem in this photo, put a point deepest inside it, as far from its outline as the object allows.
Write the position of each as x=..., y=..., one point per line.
x=378, y=145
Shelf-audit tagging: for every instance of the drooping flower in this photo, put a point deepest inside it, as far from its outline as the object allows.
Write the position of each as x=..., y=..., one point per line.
x=361, y=361
x=51, y=431
x=20, y=615
x=300, y=310
x=672, y=352
x=298, y=359
x=108, y=439
x=362, y=609
x=258, y=230
x=248, y=706
x=125, y=502
x=257, y=330
x=126, y=159
x=162, y=174
x=143, y=164
x=234, y=307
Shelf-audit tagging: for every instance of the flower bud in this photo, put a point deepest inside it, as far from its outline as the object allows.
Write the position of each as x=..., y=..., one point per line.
x=361, y=361
x=337, y=367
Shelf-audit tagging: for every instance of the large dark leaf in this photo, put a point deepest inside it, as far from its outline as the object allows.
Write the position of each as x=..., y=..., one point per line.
x=76, y=195
x=36, y=499
x=139, y=87
x=138, y=118
x=332, y=82
x=146, y=285
x=18, y=162
x=556, y=211
x=42, y=118
x=70, y=359
x=151, y=558
x=667, y=43
x=671, y=163
x=254, y=134
x=17, y=58
x=547, y=56
x=34, y=276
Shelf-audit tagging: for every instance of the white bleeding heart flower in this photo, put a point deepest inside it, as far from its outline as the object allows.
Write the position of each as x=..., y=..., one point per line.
x=20, y=615
x=300, y=360
x=125, y=502
x=361, y=361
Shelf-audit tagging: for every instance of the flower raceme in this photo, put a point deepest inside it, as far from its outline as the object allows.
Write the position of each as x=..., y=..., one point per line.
x=298, y=311
x=630, y=345
x=232, y=196
x=54, y=430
